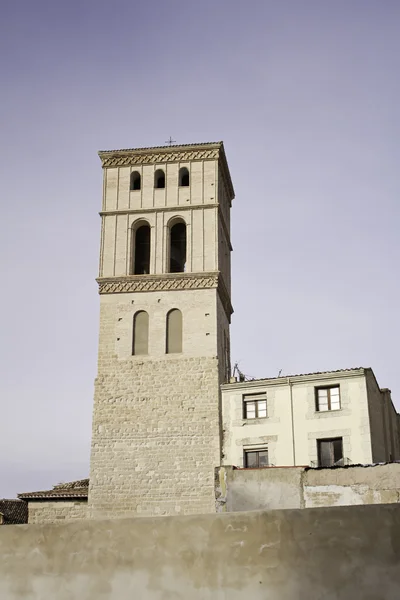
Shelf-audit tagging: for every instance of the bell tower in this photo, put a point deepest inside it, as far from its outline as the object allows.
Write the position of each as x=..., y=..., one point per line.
x=165, y=310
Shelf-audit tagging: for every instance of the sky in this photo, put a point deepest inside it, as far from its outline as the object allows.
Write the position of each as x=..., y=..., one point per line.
x=304, y=94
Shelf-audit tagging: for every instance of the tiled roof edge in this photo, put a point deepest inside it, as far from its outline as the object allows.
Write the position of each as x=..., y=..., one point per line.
x=173, y=147
x=284, y=378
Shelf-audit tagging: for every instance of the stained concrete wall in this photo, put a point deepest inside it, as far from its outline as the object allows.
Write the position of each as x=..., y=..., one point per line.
x=345, y=553
x=297, y=487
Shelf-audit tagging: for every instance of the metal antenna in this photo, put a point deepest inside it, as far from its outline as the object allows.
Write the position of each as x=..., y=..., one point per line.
x=170, y=141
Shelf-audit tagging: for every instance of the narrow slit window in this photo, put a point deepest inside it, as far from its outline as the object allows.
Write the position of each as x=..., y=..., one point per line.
x=141, y=255
x=140, y=342
x=174, y=331
x=135, y=181
x=159, y=179
x=184, y=179
x=177, y=253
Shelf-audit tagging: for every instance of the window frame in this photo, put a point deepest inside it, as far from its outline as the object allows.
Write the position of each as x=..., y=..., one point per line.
x=254, y=398
x=257, y=451
x=328, y=388
x=332, y=452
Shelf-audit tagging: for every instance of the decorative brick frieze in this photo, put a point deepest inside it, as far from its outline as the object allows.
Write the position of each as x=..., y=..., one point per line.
x=156, y=283
x=123, y=159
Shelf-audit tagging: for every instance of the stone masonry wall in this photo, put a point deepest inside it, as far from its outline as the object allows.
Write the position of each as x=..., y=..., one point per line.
x=155, y=437
x=54, y=511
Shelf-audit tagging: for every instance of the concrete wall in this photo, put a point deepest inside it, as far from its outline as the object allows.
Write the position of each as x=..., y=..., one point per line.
x=52, y=511
x=296, y=487
x=357, y=485
x=346, y=553
x=293, y=424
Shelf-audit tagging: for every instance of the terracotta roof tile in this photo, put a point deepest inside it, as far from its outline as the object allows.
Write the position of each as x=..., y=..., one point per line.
x=72, y=489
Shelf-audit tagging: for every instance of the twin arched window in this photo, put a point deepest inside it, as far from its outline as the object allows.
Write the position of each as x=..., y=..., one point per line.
x=174, y=330
x=141, y=240
x=136, y=181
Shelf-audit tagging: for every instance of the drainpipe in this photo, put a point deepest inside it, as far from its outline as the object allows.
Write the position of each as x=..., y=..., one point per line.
x=292, y=417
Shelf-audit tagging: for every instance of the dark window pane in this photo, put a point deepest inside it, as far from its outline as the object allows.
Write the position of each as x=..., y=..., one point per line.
x=159, y=179
x=135, y=181
x=142, y=251
x=337, y=450
x=251, y=459
x=263, y=458
x=325, y=453
x=178, y=248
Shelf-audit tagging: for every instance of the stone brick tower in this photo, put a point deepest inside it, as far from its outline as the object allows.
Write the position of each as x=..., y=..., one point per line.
x=165, y=310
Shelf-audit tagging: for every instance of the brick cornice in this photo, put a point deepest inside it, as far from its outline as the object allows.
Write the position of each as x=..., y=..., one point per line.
x=166, y=282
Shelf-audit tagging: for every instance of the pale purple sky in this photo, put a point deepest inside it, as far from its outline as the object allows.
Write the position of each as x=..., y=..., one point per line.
x=306, y=97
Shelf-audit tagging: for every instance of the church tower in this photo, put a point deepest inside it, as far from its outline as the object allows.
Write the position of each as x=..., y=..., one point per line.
x=165, y=310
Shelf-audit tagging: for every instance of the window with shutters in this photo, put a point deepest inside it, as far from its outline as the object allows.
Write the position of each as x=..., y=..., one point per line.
x=327, y=398
x=255, y=406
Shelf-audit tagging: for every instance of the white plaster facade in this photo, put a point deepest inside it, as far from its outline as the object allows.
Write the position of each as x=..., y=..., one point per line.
x=366, y=422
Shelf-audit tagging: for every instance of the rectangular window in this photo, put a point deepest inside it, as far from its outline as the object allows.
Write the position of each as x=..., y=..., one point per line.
x=254, y=459
x=330, y=452
x=327, y=398
x=255, y=406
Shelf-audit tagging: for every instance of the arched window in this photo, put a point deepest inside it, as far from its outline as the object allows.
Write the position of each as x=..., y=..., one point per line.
x=177, y=248
x=159, y=179
x=135, y=181
x=174, y=331
x=141, y=252
x=184, y=177
x=140, y=341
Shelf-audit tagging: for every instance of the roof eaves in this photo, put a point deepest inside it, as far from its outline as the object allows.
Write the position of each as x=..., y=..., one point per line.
x=299, y=377
x=172, y=148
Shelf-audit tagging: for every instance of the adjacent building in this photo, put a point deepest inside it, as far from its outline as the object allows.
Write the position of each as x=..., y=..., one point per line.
x=318, y=419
